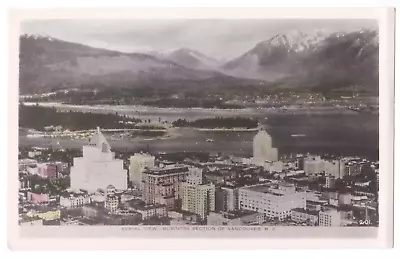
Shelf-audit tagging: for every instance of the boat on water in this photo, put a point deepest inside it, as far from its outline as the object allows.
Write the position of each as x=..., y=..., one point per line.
x=298, y=135
x=210, y=140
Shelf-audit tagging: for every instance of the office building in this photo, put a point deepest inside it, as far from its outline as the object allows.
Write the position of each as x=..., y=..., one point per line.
x=329, y=181
x=162, y=185
x=98, y=168
x=198, y=199
x=329, y=218
x=274, y=200
x=111, y=203
x=262, y=148
x=226, y=198
x=138, y=164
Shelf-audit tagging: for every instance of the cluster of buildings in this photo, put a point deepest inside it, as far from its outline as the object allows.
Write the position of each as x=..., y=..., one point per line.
x=261, y=190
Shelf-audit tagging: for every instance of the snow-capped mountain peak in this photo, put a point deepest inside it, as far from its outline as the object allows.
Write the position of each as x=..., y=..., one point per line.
x=296, y=40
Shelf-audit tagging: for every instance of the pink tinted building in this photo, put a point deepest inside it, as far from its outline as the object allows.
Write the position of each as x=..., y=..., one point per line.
x=37, y=197
x=47, y=170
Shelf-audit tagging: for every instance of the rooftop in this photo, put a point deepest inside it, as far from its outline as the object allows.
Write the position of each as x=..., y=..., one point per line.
x=238, y=214
x=25, y=218
x=319, y=202
x=310, y=212
x=167, y=170
x=270, y=188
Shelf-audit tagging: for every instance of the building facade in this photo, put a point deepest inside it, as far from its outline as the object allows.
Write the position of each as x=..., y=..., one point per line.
x=329, y=218
x=262, y=148
x=163, y=185
x=98, y=168
x=199, y=199
x=329, y=181
x=73, y=200
x=300, y=215
x=226, y=198
x=111, y=204
x=37, y=197
x=137, y=165
x=47, y=170
x=314, y=165
x=275, y=201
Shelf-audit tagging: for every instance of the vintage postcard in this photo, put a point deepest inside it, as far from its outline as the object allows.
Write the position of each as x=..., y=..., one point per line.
x=229, y=126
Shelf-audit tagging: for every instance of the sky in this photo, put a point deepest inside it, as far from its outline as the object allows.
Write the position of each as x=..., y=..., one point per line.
x=220, y=39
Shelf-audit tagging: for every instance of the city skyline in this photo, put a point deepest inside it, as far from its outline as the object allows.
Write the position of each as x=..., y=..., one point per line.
x=172, y=190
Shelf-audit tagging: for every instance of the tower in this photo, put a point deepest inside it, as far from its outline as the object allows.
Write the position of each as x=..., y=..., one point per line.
x=98, y=168
x=137, y=164
x=262, y=148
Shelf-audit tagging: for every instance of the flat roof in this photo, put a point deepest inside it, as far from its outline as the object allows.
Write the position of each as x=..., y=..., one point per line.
x=238, y=214
x=310, y=212
x=266, y=188
x=319, y=202
x=172, y=170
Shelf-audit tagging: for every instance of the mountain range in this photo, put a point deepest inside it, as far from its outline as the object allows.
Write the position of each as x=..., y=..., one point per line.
x=319, y=61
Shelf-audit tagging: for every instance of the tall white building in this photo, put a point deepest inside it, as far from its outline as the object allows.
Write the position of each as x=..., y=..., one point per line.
x=262, y=148
x=199, y=199
x=275, y=201
x=139, y=163
x=98, y=168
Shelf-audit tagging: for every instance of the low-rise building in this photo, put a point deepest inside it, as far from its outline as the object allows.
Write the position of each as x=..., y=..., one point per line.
x=111, y=203
x=37, y=197
x=235, y=218
x=45, y=213
x=329, y=218
x=30, y=221
x=24, y=163
x=47, y=170
x=94, y=210
x=301, y=215
x=330, y=181
x=73, y=200
x=131, y=219
x=345, y=198
x=147, y=211
x=274, y=200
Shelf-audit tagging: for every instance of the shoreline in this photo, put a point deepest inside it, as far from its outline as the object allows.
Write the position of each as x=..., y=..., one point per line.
x=226, y=129
x=173, y=110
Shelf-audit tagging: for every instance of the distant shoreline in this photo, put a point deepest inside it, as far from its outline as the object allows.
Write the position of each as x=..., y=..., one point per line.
x=223, y=129
x=175, y=110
